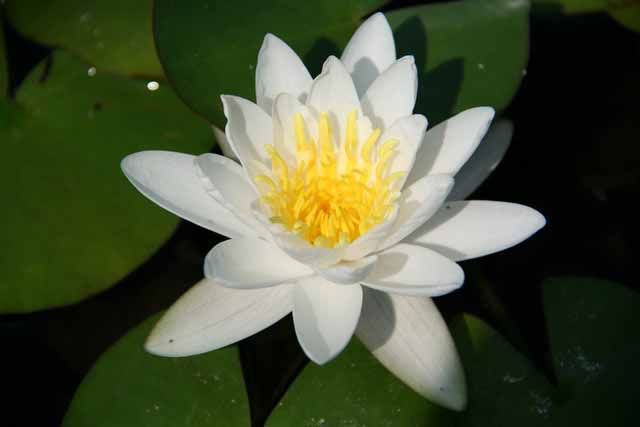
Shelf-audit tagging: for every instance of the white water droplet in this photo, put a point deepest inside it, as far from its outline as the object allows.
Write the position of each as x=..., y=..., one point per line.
x=153, y=85
x=92, y=71
x=480, y=66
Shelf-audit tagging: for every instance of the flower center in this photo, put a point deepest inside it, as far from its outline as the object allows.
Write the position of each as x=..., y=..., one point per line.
x=330, y=198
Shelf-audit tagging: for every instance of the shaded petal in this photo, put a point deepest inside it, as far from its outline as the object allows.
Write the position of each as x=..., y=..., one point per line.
x=409, y=132
x=414, y=270
x=464, y=230
x=210, y=316
x=416, y=205
x=285, y=108
x=483, y=161
x=223, y=143
x=370, y=51
x=325, y=316
x=410, y=338
x=171, y=180
x=333, y=92
x=249, y=263
x=305, y=253
x=393, y=94
x=349, y=272
x=227, y=183
x=248, y=129
x=449, y=145
x=279, y=70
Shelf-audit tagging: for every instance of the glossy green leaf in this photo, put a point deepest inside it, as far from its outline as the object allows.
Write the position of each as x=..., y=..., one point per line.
x=353, y=390
x=74, y=225
x=625, y=12
x=210, y=47
x=112, y=35
x=468, y=53
x=129, y=387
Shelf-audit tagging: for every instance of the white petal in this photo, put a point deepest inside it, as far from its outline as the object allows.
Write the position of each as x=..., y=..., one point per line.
x=279, y=70
x=370, y=51
x=409, y=337
x=416, y=205
x=325, y=316
x=305, y=253
x=414, y=270
x=227, y=183
x=483, y=161
x=248, y=263
x=464, y=230
x=449, y=145
x=170, y=180
x=223, y=143
x=285, y=108
x=333, y=92
x=349, y=272
x=393, y=94
x=210, y=316
x=409, y=132
x=248, y=129
x=371, y=240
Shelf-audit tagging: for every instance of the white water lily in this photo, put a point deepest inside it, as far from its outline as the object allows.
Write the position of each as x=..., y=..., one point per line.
x=337, y=212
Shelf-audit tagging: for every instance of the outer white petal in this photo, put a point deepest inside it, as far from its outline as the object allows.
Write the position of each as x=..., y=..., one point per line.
x=483, y=161
x=449, y=145
x=370, y=51
x=223, y=143
x=393, y=94
x=410, y=338
x=279, y=70
x=325, y=316
x=464, y=230
x=371, y=240
x=248, y=263
x=210, y=316
x=414, y=270
x=333, y=92
x=248, y=129
x=409, y=131
x=285, y=107
x=170, y=180
x=227, y=183
x=349, y=272
x=416, y=205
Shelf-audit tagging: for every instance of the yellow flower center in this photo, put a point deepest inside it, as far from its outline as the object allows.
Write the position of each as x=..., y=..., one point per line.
x=326, y=200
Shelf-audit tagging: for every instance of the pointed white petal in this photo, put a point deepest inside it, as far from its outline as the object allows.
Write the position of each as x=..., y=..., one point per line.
x=483, y=161
x=449, y=145
x=285, y=108
x=170, y=180
x=471, y=229
x=248, y=129
x=409, y=132
x=279, y=70
x=305, y=253
x=325, y=316
x=409, y=337
x=210, y=316
x=223, y=143
x=349, y=272
x=413, y=270
x=333, y=92
x=416, y=205
x=370, y=241
x=249, y=263
x=370, y=51
x=228, y=184
x=393, y=94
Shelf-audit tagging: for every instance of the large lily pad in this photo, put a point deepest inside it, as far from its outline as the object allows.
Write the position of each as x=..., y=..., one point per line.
x=468, y=53
x=112, y=35
x=73, y=225
x=129, y=387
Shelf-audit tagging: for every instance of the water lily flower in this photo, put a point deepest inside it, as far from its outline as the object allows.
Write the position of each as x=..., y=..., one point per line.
x=337, y=212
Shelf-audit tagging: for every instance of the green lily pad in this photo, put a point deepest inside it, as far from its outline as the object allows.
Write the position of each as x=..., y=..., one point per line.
x=625, y=12
x=210, y=47
x=468, y=53
x=111, y=35
x=129, y=387
x=74, y=226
